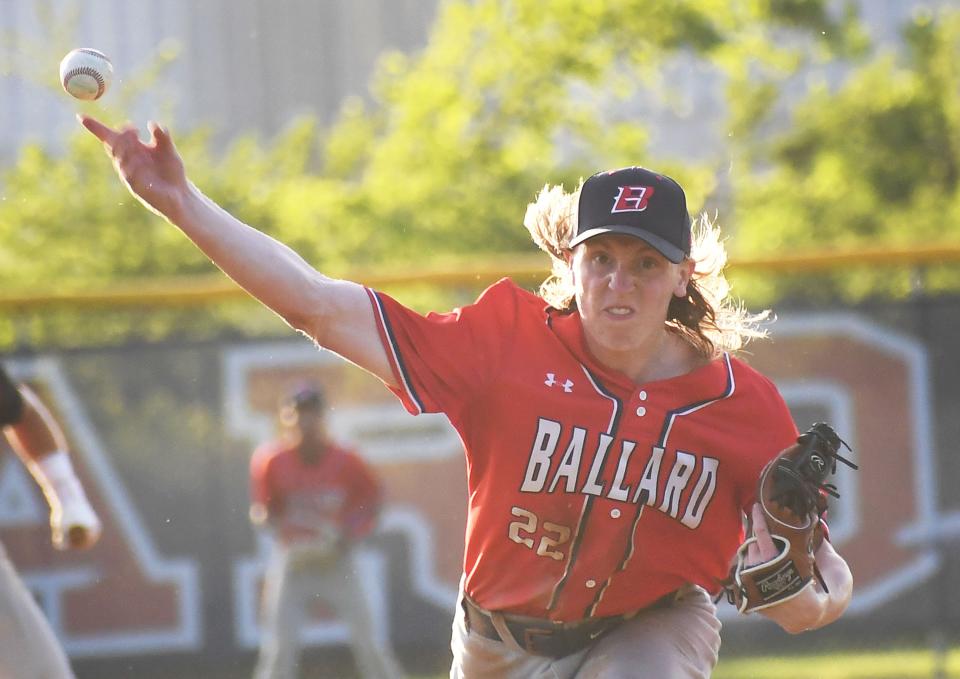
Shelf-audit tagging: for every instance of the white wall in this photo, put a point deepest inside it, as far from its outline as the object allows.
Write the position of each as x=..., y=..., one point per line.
x=243, y=63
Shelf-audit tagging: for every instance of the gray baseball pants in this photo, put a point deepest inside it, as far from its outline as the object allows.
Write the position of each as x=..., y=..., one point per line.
x=28, y=647
x=289, y=586
x=678, y=642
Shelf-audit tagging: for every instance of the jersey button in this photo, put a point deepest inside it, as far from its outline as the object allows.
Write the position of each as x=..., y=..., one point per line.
x=591, y=583
x=615, y=513
x=641, y=411
x=642, y=396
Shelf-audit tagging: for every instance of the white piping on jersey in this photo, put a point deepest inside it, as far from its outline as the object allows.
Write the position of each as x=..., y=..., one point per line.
x=731, y=387
x=588, y=500
x=395, y=354
x=668, y=427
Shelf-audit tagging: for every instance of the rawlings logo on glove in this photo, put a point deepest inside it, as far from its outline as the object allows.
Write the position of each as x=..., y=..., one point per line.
x=791, y=499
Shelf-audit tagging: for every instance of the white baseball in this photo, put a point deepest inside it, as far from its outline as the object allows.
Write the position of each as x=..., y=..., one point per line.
x=86, y=73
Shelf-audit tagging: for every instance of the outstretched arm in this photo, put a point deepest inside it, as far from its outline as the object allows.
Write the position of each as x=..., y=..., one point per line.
x=39, y=442
x=335, y=313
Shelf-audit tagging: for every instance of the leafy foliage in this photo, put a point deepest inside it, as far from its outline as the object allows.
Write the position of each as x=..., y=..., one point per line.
x=508, y=95
x=873, y=162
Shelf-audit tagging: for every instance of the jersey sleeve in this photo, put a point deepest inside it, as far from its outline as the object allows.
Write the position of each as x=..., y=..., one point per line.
x=441, y=360
x=11, y=401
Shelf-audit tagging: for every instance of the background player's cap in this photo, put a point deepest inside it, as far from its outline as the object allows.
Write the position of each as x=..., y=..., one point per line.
x=637, y=202
x=303, y=396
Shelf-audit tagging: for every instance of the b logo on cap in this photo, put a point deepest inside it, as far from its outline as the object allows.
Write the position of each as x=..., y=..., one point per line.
x=632, y=199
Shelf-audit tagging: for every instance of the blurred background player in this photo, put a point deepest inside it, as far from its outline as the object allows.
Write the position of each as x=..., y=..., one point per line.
x=317, y=499
x=28, y=647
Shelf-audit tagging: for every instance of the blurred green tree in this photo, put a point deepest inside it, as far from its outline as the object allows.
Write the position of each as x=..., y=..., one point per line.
x=509, y=94
x=868, y=162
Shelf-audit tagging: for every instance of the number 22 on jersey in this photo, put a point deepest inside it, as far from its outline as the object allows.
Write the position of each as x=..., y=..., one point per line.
x=551, y=535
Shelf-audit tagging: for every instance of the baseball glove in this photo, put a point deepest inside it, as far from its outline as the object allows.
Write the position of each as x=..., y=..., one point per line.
x=792, y=496
x=323, y=550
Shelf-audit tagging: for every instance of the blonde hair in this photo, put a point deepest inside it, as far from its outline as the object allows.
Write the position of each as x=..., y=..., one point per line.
x=707, y=317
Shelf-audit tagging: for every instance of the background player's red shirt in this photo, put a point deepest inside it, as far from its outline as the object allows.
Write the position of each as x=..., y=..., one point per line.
x=339, y=489
x=589, y=494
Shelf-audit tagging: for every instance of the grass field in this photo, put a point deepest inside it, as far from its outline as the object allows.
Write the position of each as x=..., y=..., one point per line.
x=918, y=664
x=905, y=664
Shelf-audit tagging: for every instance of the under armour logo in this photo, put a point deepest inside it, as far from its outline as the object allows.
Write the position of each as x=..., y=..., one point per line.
x=552, y=380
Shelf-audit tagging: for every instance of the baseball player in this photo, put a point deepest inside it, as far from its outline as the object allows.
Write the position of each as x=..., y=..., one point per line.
x=28, y=646
x=613, y=440
x=318, y=500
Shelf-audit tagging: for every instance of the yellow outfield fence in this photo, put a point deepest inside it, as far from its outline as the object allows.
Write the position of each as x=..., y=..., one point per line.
x=199, y=290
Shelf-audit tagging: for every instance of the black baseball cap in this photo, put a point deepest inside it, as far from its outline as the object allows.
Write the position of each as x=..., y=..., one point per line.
x=637, y=202
x=304, y=396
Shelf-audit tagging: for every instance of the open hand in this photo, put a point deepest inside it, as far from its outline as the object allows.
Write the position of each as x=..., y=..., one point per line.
x=152, y=171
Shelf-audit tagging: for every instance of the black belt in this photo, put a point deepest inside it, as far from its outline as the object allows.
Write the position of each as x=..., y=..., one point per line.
x=547, y=637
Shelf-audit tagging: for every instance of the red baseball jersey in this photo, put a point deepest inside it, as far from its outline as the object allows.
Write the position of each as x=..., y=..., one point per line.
x=338, y=489
x=589, y=494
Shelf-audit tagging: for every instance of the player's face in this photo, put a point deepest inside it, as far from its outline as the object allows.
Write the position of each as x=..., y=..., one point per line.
x=623, y=289
x=308, y=423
